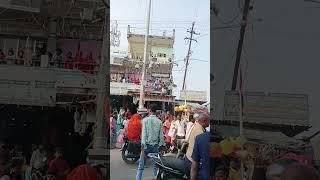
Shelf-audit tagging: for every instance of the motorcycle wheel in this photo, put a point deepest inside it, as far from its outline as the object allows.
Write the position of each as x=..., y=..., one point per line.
x=162, y=175
x=125, y=158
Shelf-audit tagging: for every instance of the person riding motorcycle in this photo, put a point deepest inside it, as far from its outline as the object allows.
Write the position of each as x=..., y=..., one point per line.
x=134, y=128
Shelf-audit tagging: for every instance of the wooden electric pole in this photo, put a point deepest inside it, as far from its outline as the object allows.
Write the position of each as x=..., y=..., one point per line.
x=192, y=32
x=240, y=44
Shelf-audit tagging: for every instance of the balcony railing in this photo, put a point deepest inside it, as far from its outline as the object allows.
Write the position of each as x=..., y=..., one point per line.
x=22, y=5
x=86, y=67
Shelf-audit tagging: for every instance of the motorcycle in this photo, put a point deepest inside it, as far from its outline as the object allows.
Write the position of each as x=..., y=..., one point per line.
x=169, y=167
x=130, y=151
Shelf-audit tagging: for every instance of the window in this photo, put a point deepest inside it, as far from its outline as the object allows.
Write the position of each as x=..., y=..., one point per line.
x=164, y=55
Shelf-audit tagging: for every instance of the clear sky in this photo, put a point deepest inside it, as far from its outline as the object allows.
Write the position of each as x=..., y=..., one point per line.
x=169, y=15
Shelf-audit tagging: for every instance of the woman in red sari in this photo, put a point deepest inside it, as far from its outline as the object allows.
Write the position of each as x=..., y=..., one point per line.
x=134, y=128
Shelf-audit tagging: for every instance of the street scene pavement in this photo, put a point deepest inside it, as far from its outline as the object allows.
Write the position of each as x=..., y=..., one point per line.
x=119, y=170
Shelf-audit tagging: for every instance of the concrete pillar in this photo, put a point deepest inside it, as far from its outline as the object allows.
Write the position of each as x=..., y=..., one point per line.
x=99, y=154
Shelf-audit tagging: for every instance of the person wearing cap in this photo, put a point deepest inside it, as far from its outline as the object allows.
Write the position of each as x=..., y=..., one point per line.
x=151, y=139
x=128, y=114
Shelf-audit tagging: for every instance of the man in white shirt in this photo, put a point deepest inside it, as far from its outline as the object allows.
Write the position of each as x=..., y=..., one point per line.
x=181, y=127
x=37, y=158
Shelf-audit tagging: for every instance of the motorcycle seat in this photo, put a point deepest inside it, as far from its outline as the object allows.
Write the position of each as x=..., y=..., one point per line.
x=174, y=163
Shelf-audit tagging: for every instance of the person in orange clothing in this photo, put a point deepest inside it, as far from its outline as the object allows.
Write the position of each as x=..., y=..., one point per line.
x=134, y=128
x=166, y=128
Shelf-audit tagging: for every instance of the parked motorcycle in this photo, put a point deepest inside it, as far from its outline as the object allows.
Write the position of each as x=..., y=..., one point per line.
x=169, y=167
x=130, y=151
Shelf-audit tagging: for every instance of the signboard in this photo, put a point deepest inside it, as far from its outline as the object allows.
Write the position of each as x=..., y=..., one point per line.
x=118, y=88
x=36, y=87
x=273, y=108
x=116, y=60
x=193, y=95
x=117, y=56
x=160, y=75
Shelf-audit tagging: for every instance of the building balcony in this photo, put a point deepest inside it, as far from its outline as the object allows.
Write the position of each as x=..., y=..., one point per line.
x=22, y=5
x=36, y=86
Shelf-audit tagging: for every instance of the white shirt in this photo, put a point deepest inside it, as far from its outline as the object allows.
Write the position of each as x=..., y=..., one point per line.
x=181, y=127
x=37, y=159
x=125, y=123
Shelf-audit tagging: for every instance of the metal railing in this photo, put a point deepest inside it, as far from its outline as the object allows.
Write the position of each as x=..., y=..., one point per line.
x=86, y=67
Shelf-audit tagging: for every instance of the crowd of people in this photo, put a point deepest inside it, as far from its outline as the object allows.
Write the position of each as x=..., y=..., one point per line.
x=44, y=164
x=85, y=63
x=157, y=129
x=165, y=87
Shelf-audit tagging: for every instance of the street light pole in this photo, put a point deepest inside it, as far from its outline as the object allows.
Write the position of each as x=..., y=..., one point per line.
x=145, y=57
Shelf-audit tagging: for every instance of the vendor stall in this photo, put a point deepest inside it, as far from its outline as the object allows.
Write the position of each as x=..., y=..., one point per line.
x=187, y=110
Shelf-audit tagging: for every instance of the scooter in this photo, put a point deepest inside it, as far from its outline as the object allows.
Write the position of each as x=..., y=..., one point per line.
x=169, y=167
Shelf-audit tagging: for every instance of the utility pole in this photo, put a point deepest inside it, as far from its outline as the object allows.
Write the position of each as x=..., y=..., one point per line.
x=240, y=44
x=145, y=57
x=237, y=70
x=192, y=32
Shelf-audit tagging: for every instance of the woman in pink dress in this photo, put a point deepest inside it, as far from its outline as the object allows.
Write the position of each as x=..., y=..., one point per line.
x=120, y=137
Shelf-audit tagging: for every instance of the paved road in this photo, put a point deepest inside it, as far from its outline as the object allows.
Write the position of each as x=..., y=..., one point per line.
x=122, y=171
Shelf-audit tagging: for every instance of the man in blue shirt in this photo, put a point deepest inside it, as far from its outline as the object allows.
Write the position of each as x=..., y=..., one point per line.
x=200, y=169
x=151, y=139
